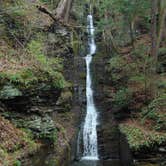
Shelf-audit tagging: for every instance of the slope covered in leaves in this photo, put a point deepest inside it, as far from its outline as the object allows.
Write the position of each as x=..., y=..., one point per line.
x=13, y=142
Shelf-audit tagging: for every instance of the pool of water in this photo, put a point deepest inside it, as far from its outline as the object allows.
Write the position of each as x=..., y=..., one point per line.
x=97, y=163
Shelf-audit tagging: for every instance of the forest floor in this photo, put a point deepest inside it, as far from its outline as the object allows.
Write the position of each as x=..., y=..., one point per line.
x=14, y=143
x=145, y=128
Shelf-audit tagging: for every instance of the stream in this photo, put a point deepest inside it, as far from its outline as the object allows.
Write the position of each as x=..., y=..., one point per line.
x=90, y=151
x=93, y=131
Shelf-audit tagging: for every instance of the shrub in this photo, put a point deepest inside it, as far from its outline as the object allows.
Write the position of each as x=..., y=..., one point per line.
x=22, y=79
x=119, y=70
x=122, y=98
x=155, y=112
x=139, y=139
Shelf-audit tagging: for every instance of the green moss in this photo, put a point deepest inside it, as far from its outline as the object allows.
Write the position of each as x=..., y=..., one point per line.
x=139, y=139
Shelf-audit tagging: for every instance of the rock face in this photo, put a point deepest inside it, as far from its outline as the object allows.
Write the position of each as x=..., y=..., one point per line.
x=31, y=111
x=27, y=101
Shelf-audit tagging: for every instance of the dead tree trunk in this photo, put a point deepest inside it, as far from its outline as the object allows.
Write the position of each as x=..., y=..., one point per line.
x=63, y=10
x=162, y=21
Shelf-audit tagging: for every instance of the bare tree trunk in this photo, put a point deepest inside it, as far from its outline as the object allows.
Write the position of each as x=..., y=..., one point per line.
x=161, y=26
x=131, y=26
x=154, y=32
x=68, y=10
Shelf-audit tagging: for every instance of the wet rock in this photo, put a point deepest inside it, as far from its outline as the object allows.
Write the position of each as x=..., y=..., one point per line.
x=42, y=125
x=162, y=150
x=9, y=92
x=40, y=101
x=31, y=110
x=41, y=110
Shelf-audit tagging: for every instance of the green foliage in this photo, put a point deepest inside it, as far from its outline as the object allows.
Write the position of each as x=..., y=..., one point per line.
x=132, y=9
x=16, y=8
x=17, y=163
x=142, y=60
x=162, y=51
x=138, y=78
x=116, y=62
x=155, y=112
x=51, y=136
x=43, y=69
x=22, y=79
x=162, y=59
x=118, y=16
x=122, y=98
x=139, y=139
x=52, y=67
x=133, y=72
x=161, y=84
x=118, y=69
x=35, y=47
x=18, y=21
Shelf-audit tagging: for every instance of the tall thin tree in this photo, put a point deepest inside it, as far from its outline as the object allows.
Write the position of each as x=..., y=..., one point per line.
x=154, y=4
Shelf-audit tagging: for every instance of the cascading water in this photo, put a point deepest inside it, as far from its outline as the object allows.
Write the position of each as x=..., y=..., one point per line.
x=89, y=129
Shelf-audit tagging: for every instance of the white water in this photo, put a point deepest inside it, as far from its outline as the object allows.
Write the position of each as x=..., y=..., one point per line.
x=89, y=129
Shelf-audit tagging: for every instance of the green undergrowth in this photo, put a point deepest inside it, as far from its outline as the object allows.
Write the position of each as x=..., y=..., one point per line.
x=42, y=69
x=51, y=136
x=51, y=66
x=22, y=51
x=142, y=92
x=139, y=139
x=155, y=112
x=132, y=76
x=122, y=98
x=118, y=69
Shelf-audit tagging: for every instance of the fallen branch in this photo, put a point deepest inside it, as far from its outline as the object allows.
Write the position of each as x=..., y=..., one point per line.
x=44, y=10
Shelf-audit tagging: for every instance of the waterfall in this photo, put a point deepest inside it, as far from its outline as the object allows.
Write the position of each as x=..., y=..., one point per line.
x=89, y=129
